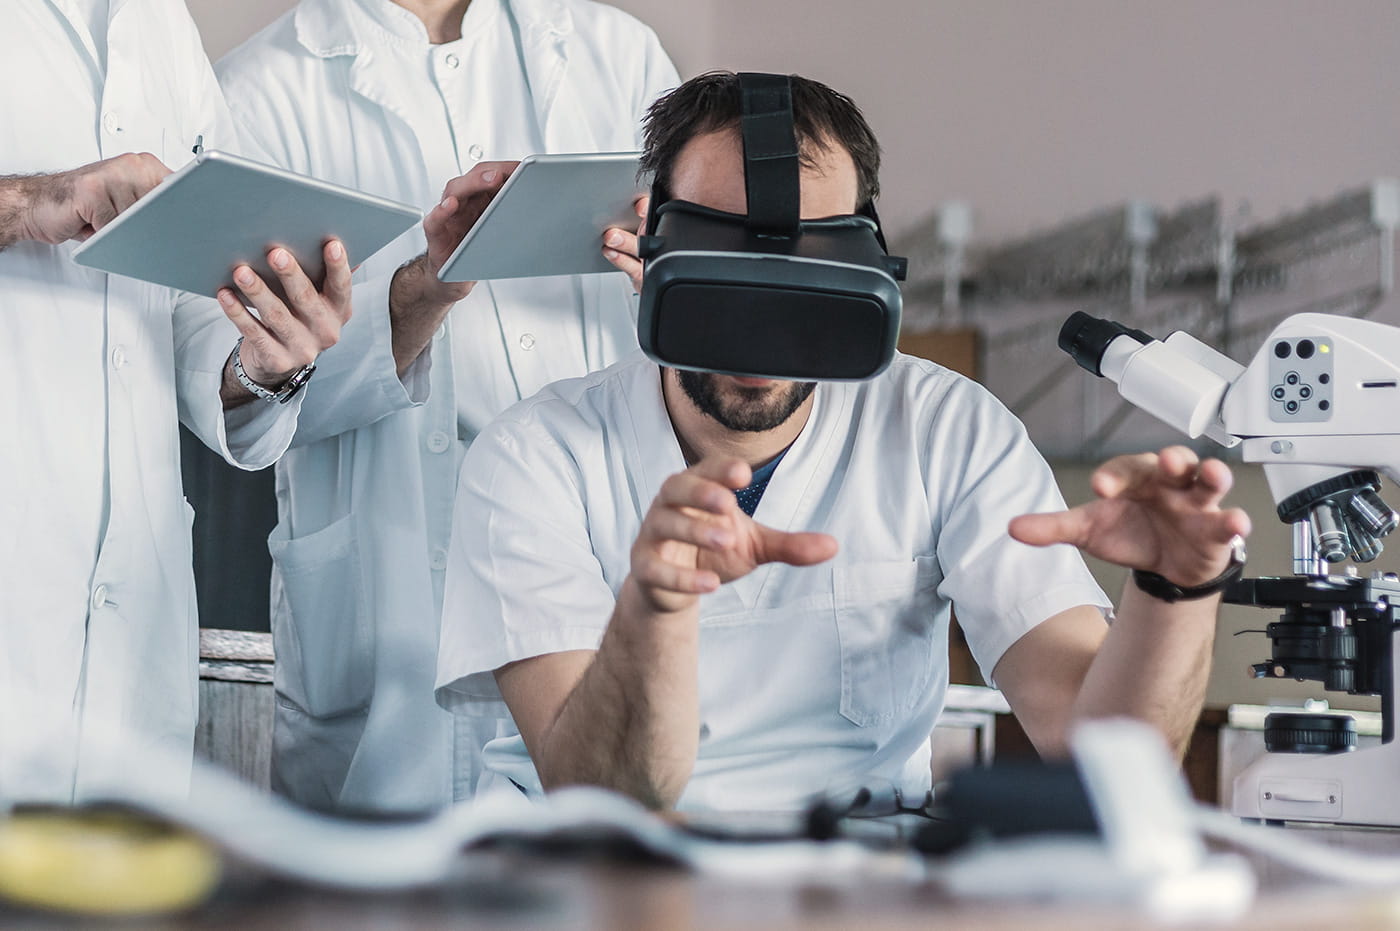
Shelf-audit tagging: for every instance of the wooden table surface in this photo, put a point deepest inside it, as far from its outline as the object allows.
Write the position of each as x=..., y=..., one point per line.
x=512, y=891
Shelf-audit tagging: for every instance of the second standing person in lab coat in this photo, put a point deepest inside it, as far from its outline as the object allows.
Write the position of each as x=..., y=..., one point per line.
x=395, y=99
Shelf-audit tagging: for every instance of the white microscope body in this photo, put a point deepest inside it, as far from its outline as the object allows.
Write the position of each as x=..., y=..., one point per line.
x=1319, y=407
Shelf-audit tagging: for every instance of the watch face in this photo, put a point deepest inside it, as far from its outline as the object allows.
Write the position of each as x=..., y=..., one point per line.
x=294, y=384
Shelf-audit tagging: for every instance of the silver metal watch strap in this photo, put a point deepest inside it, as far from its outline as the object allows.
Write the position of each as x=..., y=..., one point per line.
x=283, y=392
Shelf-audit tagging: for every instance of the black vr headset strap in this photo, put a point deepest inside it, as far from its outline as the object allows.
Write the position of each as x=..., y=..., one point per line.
x=897, y=266
x=771, y=167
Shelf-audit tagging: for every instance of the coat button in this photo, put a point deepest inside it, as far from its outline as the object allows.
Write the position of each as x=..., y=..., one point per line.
x=99, y=598
x=451, y=61
x=475, y=152
x=438, y=442
x=527, y=341
x=118, y=357
x=111, y=122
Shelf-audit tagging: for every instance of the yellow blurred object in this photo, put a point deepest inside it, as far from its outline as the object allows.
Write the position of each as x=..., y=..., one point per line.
x=102, y=863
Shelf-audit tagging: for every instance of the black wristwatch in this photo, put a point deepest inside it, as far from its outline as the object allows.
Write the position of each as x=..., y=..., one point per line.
x=1164, y=589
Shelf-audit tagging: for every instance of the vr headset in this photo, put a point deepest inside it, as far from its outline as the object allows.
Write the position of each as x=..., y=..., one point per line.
x=767, y=294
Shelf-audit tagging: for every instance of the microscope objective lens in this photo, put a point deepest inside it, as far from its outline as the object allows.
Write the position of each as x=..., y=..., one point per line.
x=1329, y=533
x=1371, y=512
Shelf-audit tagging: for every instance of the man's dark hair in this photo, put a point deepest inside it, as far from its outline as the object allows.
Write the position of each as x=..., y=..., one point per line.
x=711, y=102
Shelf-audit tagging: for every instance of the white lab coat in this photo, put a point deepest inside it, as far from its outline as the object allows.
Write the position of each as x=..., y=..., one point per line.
x=365, y=497
x=813, y=679
x=97, y=618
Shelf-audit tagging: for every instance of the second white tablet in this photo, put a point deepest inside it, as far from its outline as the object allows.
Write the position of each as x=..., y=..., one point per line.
x=549, y=217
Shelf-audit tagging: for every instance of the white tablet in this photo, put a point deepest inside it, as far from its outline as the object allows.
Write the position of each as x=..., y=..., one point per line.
x=219, y=211
x=549, y=217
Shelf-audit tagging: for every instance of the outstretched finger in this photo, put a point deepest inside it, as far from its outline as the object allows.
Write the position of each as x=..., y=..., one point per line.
x=1231, y=523
x=1073, y=526
x=1213, y=481
x=1178, y=466
x=796, y=549
x=1123, y=474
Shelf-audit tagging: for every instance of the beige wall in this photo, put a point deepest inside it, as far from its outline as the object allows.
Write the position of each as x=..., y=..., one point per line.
x=1034, y=111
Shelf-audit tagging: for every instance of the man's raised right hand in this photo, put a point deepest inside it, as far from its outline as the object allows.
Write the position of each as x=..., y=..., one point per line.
x=695, y=538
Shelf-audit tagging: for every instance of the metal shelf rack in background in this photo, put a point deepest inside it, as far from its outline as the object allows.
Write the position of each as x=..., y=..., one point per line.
x=1195, y=268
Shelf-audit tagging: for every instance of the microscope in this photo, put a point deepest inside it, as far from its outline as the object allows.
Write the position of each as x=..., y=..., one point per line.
x=1319, y=407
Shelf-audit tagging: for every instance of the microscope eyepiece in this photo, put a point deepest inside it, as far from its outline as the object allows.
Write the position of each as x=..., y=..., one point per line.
x=1086, y=339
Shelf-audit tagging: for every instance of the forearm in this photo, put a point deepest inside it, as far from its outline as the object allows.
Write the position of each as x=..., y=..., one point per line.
x=418, y=303
x=1154, y=665
x=231, y=391
x=632, y=722
x=15, y=195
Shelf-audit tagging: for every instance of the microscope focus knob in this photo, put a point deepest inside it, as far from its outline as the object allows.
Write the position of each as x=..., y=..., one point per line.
x=1309, y=733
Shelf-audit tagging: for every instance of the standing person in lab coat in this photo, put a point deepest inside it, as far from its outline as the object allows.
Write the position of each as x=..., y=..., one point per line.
x=713, y=592
x=98, y=636
x=395, y=98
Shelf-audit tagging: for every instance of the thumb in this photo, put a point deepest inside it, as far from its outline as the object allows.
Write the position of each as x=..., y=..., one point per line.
x=796, y=549
x=1070, y=526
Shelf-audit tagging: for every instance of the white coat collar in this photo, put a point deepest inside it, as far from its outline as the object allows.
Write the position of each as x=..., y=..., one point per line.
x=331, y=28
x=326, y=29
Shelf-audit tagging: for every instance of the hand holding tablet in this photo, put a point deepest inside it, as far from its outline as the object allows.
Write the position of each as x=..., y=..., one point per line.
x=221, y=211
x=548, y=218
x=252, y=235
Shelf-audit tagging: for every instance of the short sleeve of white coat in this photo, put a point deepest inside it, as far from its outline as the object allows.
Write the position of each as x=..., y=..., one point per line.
x=522, y=579
x=1000, y=588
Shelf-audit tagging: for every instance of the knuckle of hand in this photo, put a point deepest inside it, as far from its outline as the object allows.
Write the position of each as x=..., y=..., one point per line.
x=304, y=296
x=327, y=334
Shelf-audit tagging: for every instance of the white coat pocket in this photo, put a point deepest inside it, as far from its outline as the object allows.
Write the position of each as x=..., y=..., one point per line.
x=885, y=619
x=320, y=622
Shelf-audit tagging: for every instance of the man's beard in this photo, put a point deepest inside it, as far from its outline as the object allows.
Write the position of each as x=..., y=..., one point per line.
x=750, y=410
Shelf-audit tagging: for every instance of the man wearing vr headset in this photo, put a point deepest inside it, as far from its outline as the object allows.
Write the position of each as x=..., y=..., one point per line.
x=723, y=591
